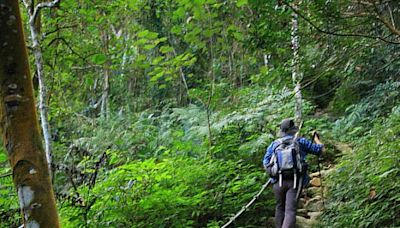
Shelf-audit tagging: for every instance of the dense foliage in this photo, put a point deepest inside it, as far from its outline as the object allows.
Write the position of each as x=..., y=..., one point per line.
x=161, y=110
x=364, y=189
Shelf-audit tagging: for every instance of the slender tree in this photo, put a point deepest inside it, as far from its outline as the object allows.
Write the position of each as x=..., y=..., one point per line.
x=296, y=74
x=19, y=125
x=34, y=27
x=105, y=38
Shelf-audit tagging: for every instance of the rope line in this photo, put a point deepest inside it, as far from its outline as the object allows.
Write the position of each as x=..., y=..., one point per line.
x=255, y=197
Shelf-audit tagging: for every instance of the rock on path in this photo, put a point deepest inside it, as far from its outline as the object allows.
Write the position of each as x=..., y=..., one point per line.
x=310, y=209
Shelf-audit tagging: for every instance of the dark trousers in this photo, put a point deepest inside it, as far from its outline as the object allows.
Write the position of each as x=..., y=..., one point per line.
x=286, y=203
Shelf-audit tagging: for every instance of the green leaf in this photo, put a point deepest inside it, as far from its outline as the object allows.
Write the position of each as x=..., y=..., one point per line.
x=166, y=49
x=385, y=174
x=3, y=157
x=179, y=13
x=149, y=46
x=157, y=76
x=241, y=3
x=143, y=33
x=152, y=35
x=176, y=29
x=99, y=59
x=238, y=36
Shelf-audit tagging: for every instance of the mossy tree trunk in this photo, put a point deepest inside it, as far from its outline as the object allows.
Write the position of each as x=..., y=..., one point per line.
x=19, y=125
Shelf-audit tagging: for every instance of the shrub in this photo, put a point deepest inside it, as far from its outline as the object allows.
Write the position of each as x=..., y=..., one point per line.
x=169, y=192
x=364, y=189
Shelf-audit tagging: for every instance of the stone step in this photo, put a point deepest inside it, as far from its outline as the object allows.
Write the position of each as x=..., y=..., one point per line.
x=313, y=192
x=302, y=212
x=301, y=203
x=324, y=173
x=302, y=222
x=315, y=215
x=315, y=182
x=315, y=204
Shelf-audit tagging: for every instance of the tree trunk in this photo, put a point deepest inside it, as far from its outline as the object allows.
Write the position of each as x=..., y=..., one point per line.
x=19, y=125
x=106, y=82
x=106, y=88
x=34, y=27
x=267, y=57
x=296, y=75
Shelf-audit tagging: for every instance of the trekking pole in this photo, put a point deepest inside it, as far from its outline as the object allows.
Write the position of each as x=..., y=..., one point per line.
x=300, y=186
x=319, y=171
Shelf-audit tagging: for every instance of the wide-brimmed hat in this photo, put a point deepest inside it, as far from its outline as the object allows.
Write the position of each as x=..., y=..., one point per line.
x=288, y=127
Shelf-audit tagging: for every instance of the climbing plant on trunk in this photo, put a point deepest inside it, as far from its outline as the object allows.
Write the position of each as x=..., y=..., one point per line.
x=19, y=125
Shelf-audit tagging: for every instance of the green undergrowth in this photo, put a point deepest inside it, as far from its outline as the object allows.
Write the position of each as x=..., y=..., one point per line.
x=169, y=192
x=161, y=169
x=360, y=117
x=364, y=189
x=9, y=209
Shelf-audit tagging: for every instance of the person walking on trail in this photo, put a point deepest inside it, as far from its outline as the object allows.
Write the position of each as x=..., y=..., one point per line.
x=284, y=160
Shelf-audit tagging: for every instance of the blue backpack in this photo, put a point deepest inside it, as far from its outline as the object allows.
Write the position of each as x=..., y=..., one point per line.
x=286, y=162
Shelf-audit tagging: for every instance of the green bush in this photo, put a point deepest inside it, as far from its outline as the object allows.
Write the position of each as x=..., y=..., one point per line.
x=362, y=115
x=372, y=169
x=169, y=192
x=8, y=197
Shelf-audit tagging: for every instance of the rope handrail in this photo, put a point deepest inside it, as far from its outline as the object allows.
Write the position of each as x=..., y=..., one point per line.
x=255, y=197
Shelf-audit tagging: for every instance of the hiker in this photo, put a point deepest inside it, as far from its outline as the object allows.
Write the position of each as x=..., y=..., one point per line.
x=285, y=162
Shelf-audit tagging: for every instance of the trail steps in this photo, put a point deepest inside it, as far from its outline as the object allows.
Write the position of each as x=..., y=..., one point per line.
x=310, y=209
x=311, y=205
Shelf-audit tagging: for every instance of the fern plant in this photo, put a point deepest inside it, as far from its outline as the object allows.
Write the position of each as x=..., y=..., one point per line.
x=364, y=189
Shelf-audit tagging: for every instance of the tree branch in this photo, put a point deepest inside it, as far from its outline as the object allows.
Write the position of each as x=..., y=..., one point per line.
x=39, y=7
x=58, y=29
x=309, y=21
x=86, y=67
x=27, y=5
x=69, y=47
x=388, y=25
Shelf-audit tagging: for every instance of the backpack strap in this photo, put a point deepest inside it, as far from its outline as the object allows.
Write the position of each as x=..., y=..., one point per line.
x=278, y=143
